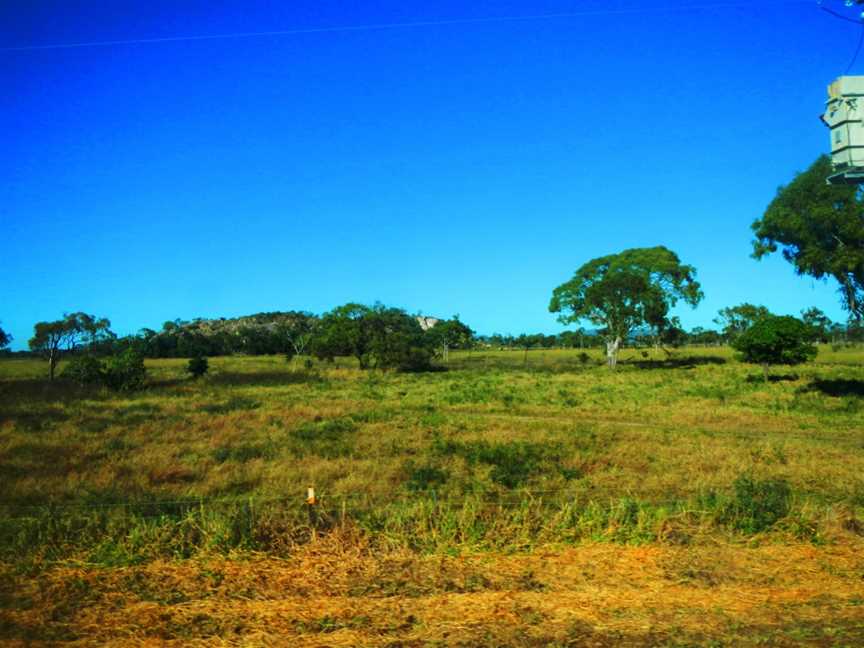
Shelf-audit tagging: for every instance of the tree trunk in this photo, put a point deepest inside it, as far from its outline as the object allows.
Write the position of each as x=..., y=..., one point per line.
x=612, y=352
x=52, y=363
x=765, y=369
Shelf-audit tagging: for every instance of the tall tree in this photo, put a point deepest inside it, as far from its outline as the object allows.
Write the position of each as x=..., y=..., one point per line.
x=818, y=321
x=451, y=334
x=53, y=338
x=819, y=229
x=5, y=339
x=735, y=320
x=620, y=292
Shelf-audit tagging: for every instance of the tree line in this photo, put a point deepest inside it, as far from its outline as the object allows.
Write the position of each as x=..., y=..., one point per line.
x=628, y=297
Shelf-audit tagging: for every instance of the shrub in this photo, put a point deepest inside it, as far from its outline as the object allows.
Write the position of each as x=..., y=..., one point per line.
x=423, y=478
x=125, y=371
x=197, y=366
x=757, y=505
x=776, y=340
x=84, y=370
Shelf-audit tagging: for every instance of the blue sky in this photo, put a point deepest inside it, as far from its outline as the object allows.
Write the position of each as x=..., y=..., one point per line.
x=461, y=166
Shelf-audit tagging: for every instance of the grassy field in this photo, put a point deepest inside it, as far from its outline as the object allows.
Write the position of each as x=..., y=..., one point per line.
x=514, y=499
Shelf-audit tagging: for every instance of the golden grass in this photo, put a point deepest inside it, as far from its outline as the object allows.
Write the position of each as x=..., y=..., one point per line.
x=338, y=592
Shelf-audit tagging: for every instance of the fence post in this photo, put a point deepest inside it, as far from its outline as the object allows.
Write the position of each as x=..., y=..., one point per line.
x=311, y=502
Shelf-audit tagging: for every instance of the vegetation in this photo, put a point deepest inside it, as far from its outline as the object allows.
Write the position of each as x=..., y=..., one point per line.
x=125, y=371
x=736, y=320
x=775, y=340
x=497, y=477
x=377, y=336
x=678, y=469
x=53, y=338
x=819, y=229
x=197, y=366
x=621, y=292
x=5, y=339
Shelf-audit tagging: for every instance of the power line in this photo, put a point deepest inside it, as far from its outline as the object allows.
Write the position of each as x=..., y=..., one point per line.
x=402, y=25
x=839, y=15
x=857, y=49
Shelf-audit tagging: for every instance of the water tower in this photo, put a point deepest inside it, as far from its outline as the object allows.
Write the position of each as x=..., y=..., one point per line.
x=844, y=115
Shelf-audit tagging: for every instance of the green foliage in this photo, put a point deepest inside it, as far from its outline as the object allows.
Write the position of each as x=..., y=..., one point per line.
x=84, y=370
x=125, y=371
x=735, y=320
x=425, y=477
x=381, y=337
x=197, y=366
x=5, y=339
x=776, y=340
x=451, y=334
x=620, y=292
x=819, y=229
x=52, y=338
x=757, y=504
x=819, y=323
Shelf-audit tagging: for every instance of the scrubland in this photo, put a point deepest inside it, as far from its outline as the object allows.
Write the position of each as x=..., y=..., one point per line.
x=512, y=499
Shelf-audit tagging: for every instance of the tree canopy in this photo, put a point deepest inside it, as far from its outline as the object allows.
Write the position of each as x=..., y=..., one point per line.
x=620, y=292
x=734, y=320
x=52, y=338
x=377, y=336
x=776, y=339
x=819, y=229
x=5, y=339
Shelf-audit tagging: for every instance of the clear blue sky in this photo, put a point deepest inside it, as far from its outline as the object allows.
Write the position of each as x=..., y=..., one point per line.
x=455, y=167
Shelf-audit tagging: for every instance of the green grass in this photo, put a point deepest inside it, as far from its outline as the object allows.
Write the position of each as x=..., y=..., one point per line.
x=503, y=449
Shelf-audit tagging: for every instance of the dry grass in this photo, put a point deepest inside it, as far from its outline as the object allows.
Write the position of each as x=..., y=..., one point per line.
x=338, y=592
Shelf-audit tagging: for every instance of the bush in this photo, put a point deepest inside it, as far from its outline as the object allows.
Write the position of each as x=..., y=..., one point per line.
x=424, y=478
x=379, y=337
x=757, y=505
x=197, y=366
x=84, y=370
x=776, y=340
x=125, y=371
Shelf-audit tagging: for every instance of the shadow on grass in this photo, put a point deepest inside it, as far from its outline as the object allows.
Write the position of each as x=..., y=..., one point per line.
x=41, y=389
x=837, y=387
x=689, y=362
x=774, y=378
x=264, y=378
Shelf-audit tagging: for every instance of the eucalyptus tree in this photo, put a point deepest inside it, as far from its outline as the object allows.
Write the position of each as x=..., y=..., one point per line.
x=735, y=320
x=51, y=339
x=819, y=229
x=621, y=292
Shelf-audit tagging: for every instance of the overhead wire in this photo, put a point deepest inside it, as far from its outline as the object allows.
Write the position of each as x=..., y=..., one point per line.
x=857, y=49
x=838, y=15
x=399, y=25
x=859, y=21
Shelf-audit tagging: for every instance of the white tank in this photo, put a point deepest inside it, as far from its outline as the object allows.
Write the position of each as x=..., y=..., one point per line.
x=844, y=115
